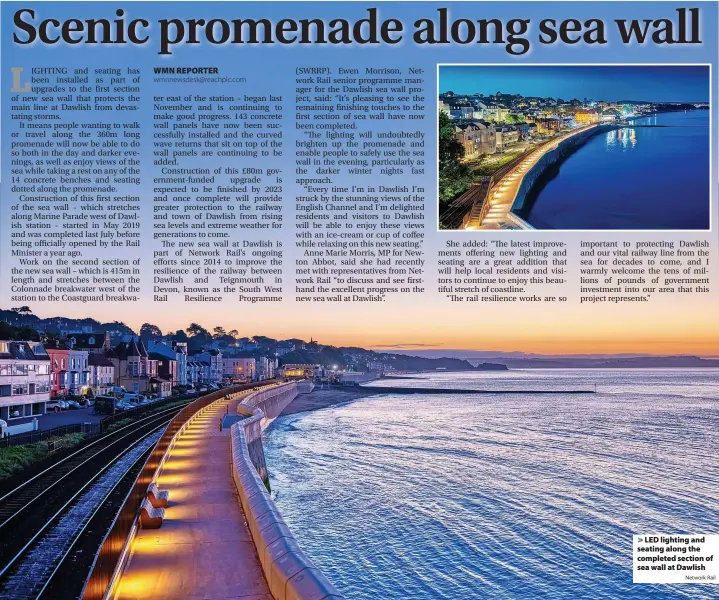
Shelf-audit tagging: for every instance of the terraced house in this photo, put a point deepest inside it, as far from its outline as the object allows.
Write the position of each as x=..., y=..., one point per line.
x=24, y=379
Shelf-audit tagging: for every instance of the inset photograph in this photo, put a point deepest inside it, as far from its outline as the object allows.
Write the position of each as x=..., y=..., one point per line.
x=574, y=147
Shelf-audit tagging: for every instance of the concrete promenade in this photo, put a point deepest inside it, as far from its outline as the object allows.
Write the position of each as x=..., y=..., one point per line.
x=503, y=193
x=204, y=549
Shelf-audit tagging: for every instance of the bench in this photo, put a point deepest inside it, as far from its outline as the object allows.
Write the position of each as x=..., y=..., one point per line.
x=157, y=498
x=151, y=517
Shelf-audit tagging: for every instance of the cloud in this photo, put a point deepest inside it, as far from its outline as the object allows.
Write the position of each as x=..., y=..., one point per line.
x=402, y=345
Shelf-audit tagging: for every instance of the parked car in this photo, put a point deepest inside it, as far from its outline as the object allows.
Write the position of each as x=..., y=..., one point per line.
x=56, y=405
x=73, y=404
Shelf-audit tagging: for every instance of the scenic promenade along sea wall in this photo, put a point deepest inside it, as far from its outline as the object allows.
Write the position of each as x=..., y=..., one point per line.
x=116, y=548
x=549, y=158
x=289, y=573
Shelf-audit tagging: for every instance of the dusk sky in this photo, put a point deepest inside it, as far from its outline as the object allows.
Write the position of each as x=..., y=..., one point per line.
x=652, y=83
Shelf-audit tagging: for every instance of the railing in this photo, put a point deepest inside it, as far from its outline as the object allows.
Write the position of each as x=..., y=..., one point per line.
x=32, y=437
x=112, y=547
x=141, y=410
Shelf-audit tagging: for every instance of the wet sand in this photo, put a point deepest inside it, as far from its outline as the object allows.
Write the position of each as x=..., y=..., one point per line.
x=317, y=399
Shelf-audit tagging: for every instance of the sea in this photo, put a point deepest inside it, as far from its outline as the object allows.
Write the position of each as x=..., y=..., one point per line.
x=515, y=496
x=632, y=178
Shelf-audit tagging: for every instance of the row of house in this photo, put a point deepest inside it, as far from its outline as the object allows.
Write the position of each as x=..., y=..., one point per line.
x=32, y=374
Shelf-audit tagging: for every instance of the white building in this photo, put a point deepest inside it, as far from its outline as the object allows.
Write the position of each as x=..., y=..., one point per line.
x=265, y=368
x=24, y=379
x=102, y=373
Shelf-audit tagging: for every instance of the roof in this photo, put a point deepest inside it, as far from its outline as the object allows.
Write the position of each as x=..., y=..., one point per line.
x=158, y=356
x=23, y=351
x=98, y=360
x=88, y=340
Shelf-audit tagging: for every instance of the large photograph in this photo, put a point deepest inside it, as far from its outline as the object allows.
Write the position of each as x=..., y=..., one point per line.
x=574, y=147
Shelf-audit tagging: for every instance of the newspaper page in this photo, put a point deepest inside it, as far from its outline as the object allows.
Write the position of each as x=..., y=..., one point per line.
x=391, y=300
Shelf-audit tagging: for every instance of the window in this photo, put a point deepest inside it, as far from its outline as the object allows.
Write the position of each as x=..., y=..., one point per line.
x=5, y=370
x=42, y=388
x=19, y=369
x=42, y=369
x=18, y=389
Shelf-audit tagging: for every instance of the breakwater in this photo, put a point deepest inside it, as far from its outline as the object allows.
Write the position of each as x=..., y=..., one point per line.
x=372, y=391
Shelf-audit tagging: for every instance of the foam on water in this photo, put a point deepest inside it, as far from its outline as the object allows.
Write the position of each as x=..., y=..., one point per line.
x=502, y=496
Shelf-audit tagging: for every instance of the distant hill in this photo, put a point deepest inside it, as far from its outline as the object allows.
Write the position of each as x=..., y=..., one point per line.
x=304, y=353
x=637, y=362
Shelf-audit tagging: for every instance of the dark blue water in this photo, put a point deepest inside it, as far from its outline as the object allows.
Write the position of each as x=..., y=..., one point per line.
x=452, y=497
x=634, y=178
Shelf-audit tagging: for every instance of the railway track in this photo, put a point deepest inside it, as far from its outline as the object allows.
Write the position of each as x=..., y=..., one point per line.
x=42, y=518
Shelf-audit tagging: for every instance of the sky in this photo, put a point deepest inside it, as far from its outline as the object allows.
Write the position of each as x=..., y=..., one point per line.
x=610, y=83
x=670, y=323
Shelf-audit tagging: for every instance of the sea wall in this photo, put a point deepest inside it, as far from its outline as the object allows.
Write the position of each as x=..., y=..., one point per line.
x=550, y=158
x=261, y=408
x=289, y=572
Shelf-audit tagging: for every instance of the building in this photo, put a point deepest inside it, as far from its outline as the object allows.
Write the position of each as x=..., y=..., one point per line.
x=198, y=372
x=94, y=342
x=477, y=138
x=102, y=373
x=58, y=371
x=78, y=375
x=548, y=125
x=301, y=371
x=214, y=359
x=180, y=349
x=461, y=112
x=265, y=368
x=586, y=116
x=239, y=369
x=166, y=374
x=24, y=379
x=134, y=369
x=494, y=112
x=527, y=130
x=70, y=374
x=175, y=352
x=507, y=136
x=610, y=114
